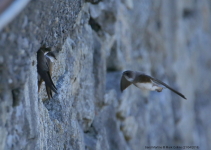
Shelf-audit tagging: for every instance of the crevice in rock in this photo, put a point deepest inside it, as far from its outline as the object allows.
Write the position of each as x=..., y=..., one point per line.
x=187, y=13
x=112, y=69
x=158, y=24
x=15, y=97
x=119, y=116
x=94, y=1
x=91, y=131
x=94, y=25
x=90, y=138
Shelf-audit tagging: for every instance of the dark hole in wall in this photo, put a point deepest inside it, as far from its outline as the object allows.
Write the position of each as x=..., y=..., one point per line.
x=187, y=13
x=90, y=137
x=158, y=24
x=112, y=69
x=91, y=130
x=15, y=97
x=94, y=1
x=95, y=26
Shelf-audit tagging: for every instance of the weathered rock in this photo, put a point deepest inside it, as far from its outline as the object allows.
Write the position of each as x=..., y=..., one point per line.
x=94, y=43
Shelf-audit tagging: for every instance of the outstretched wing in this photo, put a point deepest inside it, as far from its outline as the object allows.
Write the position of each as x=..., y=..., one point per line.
x=124, y=83
x=162, y=83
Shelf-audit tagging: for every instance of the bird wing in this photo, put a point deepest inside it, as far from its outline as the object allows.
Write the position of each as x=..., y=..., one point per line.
x=43, y=69
x=162, y=83
x=124, y=83
x=45, y=75
x=48, y=89
x=142, y=78
x=49, y=92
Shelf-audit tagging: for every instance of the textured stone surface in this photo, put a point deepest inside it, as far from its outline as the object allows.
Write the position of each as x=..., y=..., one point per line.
x=94, y=41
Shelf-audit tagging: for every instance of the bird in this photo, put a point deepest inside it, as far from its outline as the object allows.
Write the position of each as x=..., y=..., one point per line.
x=144, y=82
x=44, y=68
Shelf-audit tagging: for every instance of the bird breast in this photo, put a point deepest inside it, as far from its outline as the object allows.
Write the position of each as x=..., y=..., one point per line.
x=147, y=86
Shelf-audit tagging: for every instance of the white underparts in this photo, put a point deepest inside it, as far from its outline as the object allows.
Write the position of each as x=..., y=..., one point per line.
x=148, y=86
x=50, y=57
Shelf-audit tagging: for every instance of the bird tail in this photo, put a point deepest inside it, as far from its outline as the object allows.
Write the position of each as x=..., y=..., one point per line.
x=160, y=82
x=49, y=92
x=51, y=85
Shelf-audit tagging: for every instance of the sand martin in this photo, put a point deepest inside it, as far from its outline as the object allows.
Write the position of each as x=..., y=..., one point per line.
x=44, y=67
x=144, y=81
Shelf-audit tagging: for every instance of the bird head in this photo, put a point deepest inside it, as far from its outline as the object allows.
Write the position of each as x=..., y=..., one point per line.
x=129, y=75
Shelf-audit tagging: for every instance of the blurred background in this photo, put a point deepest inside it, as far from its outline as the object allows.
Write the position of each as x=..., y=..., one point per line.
x=94, y=42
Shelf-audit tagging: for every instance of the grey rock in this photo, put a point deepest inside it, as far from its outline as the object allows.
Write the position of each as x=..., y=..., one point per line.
x=94, y=43
x=128, y=3
x=129, y=128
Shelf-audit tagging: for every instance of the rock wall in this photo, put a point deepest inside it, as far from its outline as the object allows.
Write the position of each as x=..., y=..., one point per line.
x=94, y=41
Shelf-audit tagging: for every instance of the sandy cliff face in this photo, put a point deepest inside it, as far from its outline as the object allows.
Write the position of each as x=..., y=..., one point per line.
x=94, y=42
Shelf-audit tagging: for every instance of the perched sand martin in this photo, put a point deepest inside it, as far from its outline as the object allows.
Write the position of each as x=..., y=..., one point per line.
x=44, y=67
x=143, y=81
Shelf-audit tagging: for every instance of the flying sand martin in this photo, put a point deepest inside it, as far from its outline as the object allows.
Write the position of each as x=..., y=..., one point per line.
x=143, y=81
x=44, y=67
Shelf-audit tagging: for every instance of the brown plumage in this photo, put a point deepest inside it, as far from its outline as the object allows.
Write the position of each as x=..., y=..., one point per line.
x=144, y=81
x=44, y=68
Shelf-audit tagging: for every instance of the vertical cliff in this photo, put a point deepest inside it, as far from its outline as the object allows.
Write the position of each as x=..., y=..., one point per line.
x=94, y=41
